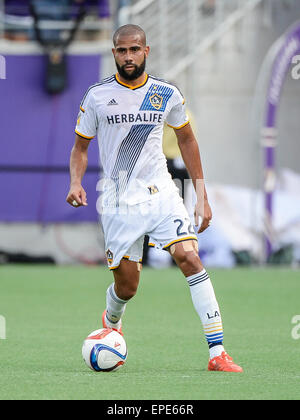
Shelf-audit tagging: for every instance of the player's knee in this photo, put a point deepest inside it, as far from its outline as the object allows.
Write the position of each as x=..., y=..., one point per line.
x=189, y=263
x=126, y=279
x=126, y=292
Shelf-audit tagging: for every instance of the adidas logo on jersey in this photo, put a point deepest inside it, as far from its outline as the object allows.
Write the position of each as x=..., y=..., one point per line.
x=112, y=102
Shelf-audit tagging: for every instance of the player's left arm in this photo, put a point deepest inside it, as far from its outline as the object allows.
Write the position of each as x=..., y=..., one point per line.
x=191, y=155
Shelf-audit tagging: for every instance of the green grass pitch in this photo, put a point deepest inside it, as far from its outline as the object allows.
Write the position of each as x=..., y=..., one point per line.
x=50, y=310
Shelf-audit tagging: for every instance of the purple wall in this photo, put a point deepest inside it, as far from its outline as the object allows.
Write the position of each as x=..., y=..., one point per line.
x=37, y=130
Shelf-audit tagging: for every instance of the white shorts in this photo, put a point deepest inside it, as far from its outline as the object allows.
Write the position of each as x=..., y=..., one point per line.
x=164, y=218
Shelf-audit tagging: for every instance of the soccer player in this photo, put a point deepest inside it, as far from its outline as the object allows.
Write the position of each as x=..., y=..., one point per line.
x=127, y=112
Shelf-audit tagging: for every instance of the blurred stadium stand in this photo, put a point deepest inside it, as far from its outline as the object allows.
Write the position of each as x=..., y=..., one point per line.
x=214, y=50
x=18, y=22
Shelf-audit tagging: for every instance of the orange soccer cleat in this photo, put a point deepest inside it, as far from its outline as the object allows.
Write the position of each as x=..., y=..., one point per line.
x=105, y=325
x=223, y=363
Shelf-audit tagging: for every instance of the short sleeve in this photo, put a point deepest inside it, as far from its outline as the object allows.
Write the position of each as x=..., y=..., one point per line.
x=177, y=117
x=86, y=126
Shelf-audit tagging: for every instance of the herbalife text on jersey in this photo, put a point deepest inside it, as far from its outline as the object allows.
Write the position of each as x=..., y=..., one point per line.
x=151, y=117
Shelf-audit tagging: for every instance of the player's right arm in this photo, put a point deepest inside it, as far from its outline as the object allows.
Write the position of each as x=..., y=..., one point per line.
x=86, y=129
x=78, y=165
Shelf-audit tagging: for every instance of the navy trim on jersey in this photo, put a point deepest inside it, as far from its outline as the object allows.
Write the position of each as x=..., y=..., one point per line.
x=161, y=80
x=130, y=150
x=166, y=81
x=102, y=82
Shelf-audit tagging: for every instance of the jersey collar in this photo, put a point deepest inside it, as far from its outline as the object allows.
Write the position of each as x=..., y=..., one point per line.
x=131, y=87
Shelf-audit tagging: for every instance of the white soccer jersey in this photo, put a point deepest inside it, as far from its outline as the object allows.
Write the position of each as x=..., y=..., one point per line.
x=128, y=122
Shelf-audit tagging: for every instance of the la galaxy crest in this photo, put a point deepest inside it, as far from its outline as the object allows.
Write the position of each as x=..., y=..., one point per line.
x=156, y=101
x=109, y=257
x=157, y=98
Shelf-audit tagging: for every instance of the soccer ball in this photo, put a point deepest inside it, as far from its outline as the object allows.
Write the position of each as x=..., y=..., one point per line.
x=104, y=350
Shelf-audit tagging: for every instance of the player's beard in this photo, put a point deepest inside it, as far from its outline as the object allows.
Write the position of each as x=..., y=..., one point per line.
x=137, y=72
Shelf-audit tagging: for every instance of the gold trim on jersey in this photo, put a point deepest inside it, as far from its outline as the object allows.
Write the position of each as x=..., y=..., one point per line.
x=129, y=86
x=82, y=135
x=187, y=238
x=82, y=109
x=113, y=268
x=126, y=257
x=181, y=126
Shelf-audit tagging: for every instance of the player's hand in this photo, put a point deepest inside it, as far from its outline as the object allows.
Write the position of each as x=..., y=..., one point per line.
x=203, y=210
x=77, y=196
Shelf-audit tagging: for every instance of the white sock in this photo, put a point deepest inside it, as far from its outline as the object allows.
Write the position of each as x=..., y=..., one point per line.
x=206, y=305
x=115, y=308
x=215, y=351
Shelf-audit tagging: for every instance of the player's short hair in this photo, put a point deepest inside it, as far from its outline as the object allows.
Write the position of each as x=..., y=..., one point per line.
x=127, y=30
